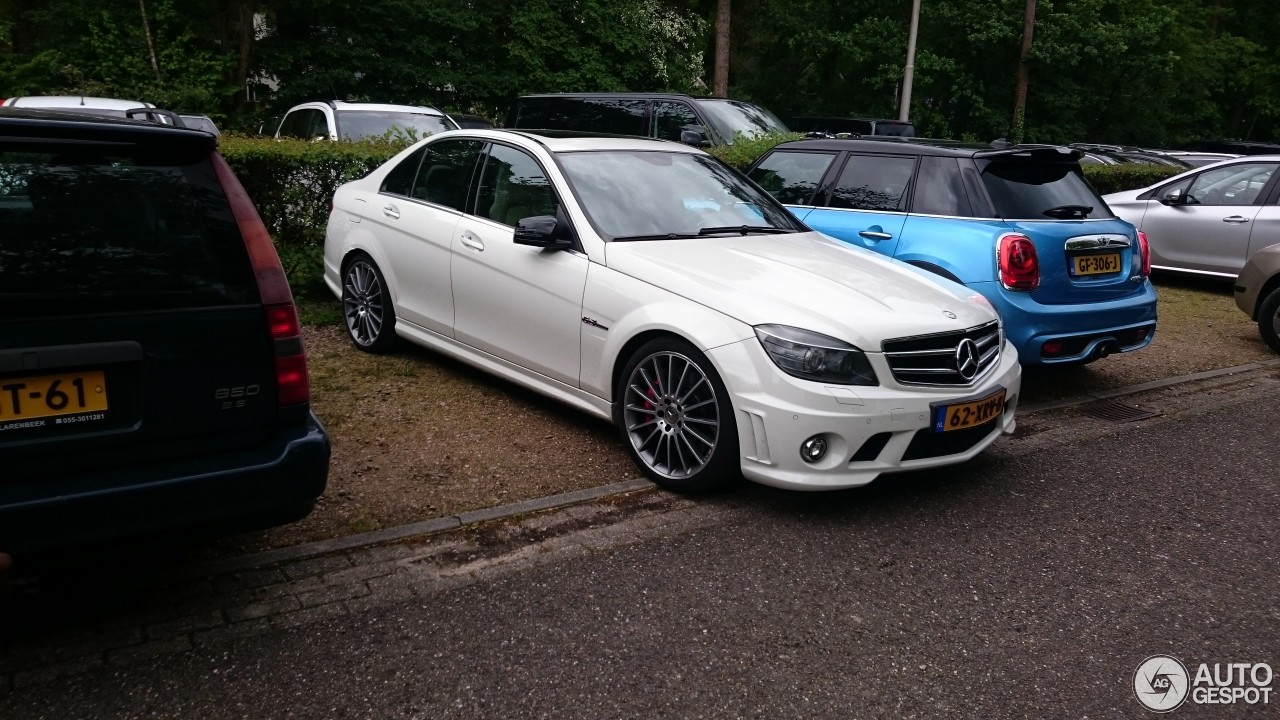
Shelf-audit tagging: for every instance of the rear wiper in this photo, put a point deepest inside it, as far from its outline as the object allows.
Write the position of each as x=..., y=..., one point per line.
x=745, y=230
x=1069, y=211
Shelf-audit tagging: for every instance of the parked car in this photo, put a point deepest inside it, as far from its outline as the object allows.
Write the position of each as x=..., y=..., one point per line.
x=1257, y=292
x=683, y=118
x=335, y=119
x=1019, y=225
x=152, y=376
x=1119, y=154
x=109, y=107
x=1194, y=159
x=851, y=126
x=1235, y=147
x=470, y=122
x=647, y=283
x=200, y=122
x=1210, y=220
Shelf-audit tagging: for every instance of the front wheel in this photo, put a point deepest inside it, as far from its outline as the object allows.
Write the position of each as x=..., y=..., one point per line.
x=366, y=306
x=1269, y=319
x=676, y=418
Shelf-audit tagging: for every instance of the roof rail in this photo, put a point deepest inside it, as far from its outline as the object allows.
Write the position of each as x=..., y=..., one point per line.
x=155, y=115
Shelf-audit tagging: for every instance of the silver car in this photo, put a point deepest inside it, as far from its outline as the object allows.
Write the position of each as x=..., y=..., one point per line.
x=1258, y=293
x=1209, y=220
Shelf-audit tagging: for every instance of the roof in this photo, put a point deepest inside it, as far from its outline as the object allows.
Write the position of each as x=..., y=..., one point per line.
x=931, y=147
x=55, y=125
x=72, y=101
x=574, y=141
x=375, y=107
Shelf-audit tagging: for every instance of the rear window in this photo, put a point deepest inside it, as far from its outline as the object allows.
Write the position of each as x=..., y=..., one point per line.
x=1042, y=191
x=88, y=232
x=358, y=124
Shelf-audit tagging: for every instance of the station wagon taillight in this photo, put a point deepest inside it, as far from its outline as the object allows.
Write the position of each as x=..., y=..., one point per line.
x=293, y=386
x=1145, y=250
x=1018, y=265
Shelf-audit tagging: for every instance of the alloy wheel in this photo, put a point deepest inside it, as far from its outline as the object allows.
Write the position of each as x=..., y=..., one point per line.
x=671, y=415
x=362, y=303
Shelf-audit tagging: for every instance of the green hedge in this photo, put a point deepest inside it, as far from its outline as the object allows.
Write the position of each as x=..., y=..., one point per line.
x=292, y=182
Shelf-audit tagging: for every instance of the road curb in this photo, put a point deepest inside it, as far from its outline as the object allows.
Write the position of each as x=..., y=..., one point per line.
x=453, y=522
x=1144, y=387
x=426, y=527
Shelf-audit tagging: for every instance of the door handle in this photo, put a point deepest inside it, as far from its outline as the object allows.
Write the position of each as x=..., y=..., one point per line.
x=1237, y=219
x=391, y=212
x=873, y=235
x=472, y=242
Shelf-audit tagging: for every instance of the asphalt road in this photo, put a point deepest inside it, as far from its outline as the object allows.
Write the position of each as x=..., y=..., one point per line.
x=1031, y=582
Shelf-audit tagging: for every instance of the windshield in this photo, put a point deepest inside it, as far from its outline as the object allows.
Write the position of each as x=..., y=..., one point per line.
x=651, y=194
x=1042, y=191
x=358, y=124
x=731, y=117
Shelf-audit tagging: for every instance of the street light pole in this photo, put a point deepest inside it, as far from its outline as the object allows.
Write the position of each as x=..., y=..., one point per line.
x=904, y=107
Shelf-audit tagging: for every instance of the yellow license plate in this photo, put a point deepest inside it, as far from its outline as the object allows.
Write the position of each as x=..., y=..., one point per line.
x=969, y=414
x=1095, y=264
x=40, y=396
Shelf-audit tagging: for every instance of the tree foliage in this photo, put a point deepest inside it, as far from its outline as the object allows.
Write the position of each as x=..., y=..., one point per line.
x=1153, y=72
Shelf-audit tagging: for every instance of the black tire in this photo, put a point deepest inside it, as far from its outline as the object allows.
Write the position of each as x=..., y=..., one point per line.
x=1269, y=319
x=684, y=437
x=366, y=306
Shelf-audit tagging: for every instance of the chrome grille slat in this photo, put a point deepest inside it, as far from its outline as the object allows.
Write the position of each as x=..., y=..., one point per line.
x=913, y=360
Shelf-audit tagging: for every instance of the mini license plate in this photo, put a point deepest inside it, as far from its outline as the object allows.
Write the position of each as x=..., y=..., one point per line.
x=40, y=396
x=959, y=416
x=1095, y=264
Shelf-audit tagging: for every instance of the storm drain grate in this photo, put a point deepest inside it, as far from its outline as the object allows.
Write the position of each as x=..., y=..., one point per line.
x=1118, y=412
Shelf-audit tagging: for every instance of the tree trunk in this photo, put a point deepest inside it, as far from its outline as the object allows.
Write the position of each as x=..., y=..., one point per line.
x=1024, y=73
x=720, y=85
x=248, y=36
x=151, y=47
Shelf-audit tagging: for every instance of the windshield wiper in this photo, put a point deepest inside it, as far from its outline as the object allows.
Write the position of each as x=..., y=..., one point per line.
x=659, y=236
x=745, y=230
x=1066, y=212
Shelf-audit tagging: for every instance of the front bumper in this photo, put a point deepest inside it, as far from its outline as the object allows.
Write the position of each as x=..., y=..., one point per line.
x=869, y=430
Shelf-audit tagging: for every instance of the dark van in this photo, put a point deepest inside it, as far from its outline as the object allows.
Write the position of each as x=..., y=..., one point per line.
x=683, y=118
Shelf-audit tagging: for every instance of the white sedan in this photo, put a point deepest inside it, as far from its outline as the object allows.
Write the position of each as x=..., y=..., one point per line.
x=647, y=283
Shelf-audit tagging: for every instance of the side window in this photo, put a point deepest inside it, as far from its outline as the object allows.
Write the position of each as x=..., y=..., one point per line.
x=319, y=125
x=670, y=118
x=400, y=180
x=296, y=124
x=792, y=177
x=620, y=116
x=513, y=187
x=445, y=175
x=873, y=182
x=940, y=189
x=1232, y=185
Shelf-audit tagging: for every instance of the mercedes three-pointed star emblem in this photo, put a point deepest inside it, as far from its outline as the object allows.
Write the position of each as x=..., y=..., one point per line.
x=967, y=359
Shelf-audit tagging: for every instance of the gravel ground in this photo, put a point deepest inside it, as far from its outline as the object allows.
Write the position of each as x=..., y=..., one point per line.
x=417, y=436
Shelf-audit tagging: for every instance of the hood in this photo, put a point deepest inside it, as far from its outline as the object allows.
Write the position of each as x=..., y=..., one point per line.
x=807, y=281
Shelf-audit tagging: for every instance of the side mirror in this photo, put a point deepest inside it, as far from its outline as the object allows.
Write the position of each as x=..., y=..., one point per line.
x=1173, y=197
x=541, y=231
x=694, y=138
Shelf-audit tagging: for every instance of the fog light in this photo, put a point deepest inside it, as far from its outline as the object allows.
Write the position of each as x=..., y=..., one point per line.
x=813, y=449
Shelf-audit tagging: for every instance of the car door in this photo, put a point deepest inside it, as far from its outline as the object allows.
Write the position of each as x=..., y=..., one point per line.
x=1264, y=231
x=793, y=177
x=520, y=303
x=1208, y=229
x=867, y=204
x=418, y=209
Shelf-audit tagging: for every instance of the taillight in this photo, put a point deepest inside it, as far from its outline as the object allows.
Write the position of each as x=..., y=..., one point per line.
x=292, y=384
x=1019, y=266
x=1145, y=250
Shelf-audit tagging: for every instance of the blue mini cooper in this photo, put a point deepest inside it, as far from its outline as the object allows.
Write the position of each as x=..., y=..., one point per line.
x=1019, y=225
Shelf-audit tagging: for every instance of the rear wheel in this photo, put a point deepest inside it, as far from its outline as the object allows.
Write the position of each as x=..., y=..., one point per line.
x=366, y=306
x=1269, y=319
x=676, y=418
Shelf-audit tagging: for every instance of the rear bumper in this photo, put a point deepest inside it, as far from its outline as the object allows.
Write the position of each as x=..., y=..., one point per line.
x=259, y=487
x=1083, y=329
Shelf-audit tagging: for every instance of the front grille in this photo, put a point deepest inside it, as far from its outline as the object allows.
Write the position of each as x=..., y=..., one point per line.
x=937, y=359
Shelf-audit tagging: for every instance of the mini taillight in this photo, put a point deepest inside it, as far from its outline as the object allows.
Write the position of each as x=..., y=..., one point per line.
x=292, y=384
x=1018, y=264
x=1144, y=248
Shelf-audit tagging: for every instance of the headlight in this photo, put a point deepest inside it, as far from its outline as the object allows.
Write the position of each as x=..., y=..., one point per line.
x=810, y=356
